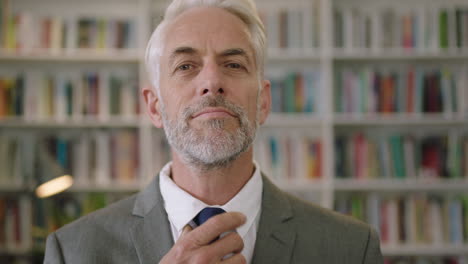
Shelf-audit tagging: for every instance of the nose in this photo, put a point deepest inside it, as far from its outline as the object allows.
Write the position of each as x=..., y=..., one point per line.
x=211, y=80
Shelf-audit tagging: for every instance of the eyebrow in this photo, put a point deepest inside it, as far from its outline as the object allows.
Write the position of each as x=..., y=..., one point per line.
x=191, y=51
x=235, y=52
x=181, y=50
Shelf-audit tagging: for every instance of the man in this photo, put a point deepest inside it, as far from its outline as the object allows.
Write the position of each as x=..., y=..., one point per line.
x=205, y=61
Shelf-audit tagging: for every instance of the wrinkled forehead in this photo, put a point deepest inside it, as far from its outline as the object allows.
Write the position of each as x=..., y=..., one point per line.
x=204, y=28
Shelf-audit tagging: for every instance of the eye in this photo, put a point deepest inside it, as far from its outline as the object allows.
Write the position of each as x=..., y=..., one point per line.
x=185, y=67
x=234, y=65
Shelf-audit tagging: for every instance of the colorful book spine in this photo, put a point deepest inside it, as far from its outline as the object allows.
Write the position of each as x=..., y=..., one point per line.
x=412, y=219
x=15, y=224
x=296, y=92
x=292, y=28
x=402, y=156
x=409, y=90
x=27, y=32
x=428, y=28
x=96, y=157
x=443, y=29
x=67, y=95
x=292, y=158
x=426, y=260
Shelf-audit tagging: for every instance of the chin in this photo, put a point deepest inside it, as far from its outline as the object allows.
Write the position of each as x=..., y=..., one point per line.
x=210, y=162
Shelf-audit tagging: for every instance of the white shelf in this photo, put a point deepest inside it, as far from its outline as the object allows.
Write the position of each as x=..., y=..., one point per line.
x=359, y=119
x=15, y=252
x=13, y=188
x=289, y=55
x=300, y=185
x=425, y=250
x=401, y=185
x=108, y=188
x=398, y=54
x=84, y=123
x=294, y=120
x=78, y=55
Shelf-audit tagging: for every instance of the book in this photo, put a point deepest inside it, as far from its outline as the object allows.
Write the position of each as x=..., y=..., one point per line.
x=361, y=155
x=428, y=28
x=4, y=18
x=66, y=94
x=87, y=156
x=398, y=158
x=414, y=219
x=295, y=157
x=412, y=90
x=27, y=32
x=103, y=175
x=81, y=170
x=338, y=28
x=15, y=223
x=295, y=92
x=124, y=156
x=425, y=260
x=292, y=28
x=443, y=29
x=456, y=221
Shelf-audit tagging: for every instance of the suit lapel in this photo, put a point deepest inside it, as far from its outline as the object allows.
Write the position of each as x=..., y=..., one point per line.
x=151, y=234
x=276, y=234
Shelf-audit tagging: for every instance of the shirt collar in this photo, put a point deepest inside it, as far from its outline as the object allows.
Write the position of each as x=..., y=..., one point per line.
x=181, y=207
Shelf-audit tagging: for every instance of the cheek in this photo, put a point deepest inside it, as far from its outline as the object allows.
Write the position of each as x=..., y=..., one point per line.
x=174, y=108
x=252, y=98
x=175, y=99
x=170, y=104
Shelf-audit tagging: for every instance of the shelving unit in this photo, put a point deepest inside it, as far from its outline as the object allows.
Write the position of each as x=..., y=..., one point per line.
x=401, y=185
x=316, y=53
x=397, y=120
x=394, y=122
x=78, y=55
x=431, y=251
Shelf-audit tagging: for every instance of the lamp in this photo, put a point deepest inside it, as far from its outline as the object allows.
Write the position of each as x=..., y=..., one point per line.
x=52, y=177
x=54, y=186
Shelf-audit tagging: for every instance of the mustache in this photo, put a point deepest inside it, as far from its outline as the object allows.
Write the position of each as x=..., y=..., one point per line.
x=213, y=101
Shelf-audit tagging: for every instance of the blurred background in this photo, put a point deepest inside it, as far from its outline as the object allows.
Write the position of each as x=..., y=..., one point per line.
x=369, y=116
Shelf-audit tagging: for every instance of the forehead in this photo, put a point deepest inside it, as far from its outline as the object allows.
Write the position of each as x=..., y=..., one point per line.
x=205, y=28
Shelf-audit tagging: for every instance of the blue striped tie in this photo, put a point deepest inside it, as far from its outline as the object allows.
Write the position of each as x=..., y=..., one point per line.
x=206, y=214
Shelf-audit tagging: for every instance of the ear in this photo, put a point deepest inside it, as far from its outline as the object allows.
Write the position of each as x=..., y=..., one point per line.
x=152, y=105
x=265, y=101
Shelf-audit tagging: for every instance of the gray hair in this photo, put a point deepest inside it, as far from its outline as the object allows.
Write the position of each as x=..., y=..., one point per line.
x=243, y=9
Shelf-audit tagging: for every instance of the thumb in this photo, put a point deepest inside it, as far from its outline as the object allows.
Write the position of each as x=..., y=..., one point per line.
x=187, y=228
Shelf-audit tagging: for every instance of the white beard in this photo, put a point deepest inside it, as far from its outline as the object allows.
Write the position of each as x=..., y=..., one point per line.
x=217, y=148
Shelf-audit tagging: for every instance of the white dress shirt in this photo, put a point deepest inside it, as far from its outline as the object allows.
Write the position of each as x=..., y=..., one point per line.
x=181, y=207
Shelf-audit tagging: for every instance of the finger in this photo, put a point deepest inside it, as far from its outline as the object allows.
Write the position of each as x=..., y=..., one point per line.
x=215, y=226
x=231, y=243
x=186, y=230
x=235, y=259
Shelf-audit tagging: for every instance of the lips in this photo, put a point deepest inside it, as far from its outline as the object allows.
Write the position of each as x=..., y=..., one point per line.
x=214, y=111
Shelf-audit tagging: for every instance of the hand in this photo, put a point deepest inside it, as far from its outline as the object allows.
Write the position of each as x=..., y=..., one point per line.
x=195, y=246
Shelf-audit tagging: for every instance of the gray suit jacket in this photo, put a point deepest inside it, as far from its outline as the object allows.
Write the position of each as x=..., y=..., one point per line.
x=137, y=230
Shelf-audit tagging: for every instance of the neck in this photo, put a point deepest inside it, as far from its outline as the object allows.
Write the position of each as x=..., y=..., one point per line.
x=215, y=186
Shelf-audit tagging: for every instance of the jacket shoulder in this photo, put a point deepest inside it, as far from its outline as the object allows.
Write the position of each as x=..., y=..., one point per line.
x=99, y=237
x=95, y=229
x=308, y=211
x=335, y=236
x=117, y=213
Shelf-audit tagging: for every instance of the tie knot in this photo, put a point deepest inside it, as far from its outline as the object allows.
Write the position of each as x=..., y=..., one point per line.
x=206, y=214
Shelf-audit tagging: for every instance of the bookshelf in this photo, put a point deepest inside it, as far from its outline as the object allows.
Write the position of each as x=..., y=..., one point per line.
x=323, y=87
x=395, y=38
